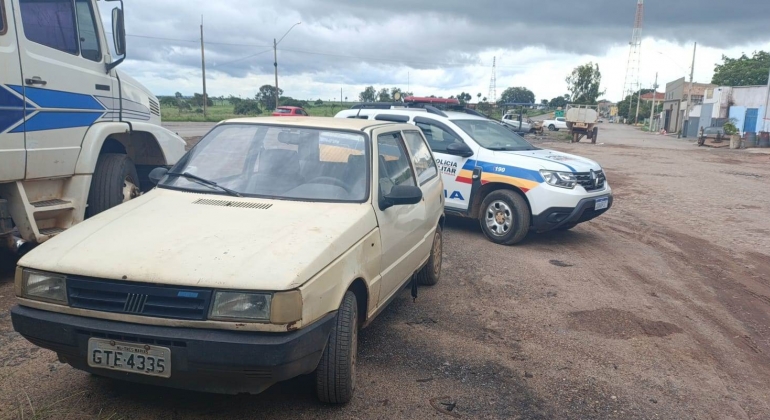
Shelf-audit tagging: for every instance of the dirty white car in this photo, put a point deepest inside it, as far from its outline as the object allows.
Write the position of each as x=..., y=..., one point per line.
x=257, y=259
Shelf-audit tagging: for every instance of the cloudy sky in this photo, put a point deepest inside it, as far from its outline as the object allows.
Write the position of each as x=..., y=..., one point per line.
x=439, y=47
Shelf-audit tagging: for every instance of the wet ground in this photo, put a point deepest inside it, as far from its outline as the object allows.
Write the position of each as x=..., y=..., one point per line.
x=658, y=309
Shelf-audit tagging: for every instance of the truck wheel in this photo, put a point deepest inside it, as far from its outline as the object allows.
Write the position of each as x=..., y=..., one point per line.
x=552, y=128
x=430, y=274
x=595, y=135
x=504, y=217
x=114, y=182
x=336, y=372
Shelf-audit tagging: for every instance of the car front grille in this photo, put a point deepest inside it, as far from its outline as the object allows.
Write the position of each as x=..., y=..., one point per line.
x=138, y=299
x=591, y=181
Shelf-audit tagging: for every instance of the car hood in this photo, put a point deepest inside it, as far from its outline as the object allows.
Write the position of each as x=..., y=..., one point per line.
x=557, y=161
x=169, y=237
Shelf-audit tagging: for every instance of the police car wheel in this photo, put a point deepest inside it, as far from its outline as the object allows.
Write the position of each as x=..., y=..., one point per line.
x=504, y=217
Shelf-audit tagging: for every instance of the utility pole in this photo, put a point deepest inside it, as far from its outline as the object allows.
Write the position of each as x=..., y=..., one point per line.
x=275, y=64
x=689, y=92
x=203, y=67
x=340, y=96
x=654, y=94
x=638, y=102
x=765, y=124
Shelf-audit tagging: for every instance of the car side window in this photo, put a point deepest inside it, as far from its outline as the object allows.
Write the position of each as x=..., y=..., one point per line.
x=89, y=42
x=423, y=161
x=394, y=168
x=437, y=137
x=50, y=23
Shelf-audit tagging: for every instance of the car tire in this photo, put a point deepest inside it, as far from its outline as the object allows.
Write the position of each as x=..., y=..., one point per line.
x=504, y=217
x=430, y=274
x=336, y=372
x=552, y=128
x=115, y=181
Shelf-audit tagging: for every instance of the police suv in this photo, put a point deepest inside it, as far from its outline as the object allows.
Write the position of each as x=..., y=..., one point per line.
x=492, y=174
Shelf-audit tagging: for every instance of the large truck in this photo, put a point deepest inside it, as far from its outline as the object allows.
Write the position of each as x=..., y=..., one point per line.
x=581, y=121
x=77, y=136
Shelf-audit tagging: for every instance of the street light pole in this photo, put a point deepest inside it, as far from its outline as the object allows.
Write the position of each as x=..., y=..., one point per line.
x=654, y=94
x=275, y=60
x=689, y=92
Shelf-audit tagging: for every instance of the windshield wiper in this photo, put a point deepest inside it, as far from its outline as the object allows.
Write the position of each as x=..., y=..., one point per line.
x=206, y=182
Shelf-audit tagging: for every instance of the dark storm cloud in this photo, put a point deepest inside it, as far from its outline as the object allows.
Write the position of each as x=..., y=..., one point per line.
x=351, y=38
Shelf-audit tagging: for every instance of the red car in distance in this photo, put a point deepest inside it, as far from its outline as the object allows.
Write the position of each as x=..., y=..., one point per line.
x=289, y=111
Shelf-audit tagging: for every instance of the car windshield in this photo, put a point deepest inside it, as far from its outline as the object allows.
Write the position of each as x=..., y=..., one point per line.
x=283, y=111
x=493, y=136
x=277, y=162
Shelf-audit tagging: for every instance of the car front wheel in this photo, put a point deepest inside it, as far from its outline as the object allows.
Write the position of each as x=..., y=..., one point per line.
x=504, y=217
x=430, y=274
x=552, y=127
x=336, y=372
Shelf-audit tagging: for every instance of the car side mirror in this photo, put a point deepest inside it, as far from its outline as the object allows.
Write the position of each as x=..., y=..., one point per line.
x=402, y=195
x=459, y=149
x=157, y=174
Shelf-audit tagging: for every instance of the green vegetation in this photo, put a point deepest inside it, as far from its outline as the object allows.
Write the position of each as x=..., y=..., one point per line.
x=742, y=71
x=584, y=83
x=225, y=111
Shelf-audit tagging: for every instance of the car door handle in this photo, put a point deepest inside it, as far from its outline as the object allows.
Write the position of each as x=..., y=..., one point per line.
x=36, y=80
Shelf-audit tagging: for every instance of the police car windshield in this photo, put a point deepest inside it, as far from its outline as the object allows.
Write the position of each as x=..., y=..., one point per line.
x=493, y=135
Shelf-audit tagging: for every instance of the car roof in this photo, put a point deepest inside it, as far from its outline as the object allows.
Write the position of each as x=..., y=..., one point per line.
x=289, y=107
x=450, y=115
x=312, y=122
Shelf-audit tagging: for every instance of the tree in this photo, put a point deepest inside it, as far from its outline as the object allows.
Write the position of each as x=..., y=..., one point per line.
x=584, y=83
x=464, y=98
x=517, y=95
x=383, y=95
x=319, y=102
x=627, y=107
x=478, y=95
x=197, y=100
x=246, y=107
x=559, y=101
x=266, y=96
x=742, y=71
x=394, y=90
x=544, y=102
x=368, y=95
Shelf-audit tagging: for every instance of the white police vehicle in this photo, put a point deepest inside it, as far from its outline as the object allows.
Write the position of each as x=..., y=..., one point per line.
x=494, y=175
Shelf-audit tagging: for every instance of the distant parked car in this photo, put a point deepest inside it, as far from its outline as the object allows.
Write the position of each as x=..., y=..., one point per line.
x=289, y=111
x=512, y=121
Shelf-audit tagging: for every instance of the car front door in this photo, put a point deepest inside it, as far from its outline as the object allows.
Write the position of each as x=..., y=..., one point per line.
x=12, y=149
x=401, y=227
x=65, y=80
x=429, y=181
x=456, y=171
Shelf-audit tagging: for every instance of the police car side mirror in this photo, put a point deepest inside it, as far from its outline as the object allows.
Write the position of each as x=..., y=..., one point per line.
x=459, y=149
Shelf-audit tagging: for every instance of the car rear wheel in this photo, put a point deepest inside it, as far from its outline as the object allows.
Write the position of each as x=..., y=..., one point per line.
x=504, y=217
x=552, y=127
x=336, y=372
x=430, y=274
x=114, y=182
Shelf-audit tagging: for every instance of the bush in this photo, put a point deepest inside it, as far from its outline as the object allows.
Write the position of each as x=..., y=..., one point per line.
x=730, y=129
x=247, y=107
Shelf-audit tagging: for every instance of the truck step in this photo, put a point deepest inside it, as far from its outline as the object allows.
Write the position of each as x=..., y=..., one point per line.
x=52, y=231
x=51, y=203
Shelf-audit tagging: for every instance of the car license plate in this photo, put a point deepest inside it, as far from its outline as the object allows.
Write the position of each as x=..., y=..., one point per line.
x=143, y=359
x=602, y=203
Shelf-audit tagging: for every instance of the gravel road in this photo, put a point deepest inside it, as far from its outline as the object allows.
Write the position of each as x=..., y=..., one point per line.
x=658, y=309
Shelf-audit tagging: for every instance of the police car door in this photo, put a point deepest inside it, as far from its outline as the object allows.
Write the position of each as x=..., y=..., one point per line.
x=12, y=153
x=453, y=158
x=65, y=80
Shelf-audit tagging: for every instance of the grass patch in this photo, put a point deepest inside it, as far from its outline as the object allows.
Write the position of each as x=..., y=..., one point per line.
x=218, y=113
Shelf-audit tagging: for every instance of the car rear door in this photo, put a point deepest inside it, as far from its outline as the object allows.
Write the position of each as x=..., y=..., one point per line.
x=12, y=148
x=402, y=228
x=65, y=79
x=429, y=181
x=456, y=171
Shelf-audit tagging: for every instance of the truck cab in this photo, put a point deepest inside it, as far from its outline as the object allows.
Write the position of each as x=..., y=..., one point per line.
x=77, y=136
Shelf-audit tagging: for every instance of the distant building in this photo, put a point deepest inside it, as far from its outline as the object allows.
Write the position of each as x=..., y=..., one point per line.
x=659, y=96
x=745, y=105
x=604, y=107
x=675, y=102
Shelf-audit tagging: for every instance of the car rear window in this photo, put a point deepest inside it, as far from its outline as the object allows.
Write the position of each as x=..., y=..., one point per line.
x=282, y=111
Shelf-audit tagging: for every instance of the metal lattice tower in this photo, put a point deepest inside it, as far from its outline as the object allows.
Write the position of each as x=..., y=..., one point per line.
x=631, y=84
x=493, y=82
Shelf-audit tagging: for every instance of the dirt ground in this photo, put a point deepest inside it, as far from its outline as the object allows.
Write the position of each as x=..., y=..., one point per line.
x=659, y=309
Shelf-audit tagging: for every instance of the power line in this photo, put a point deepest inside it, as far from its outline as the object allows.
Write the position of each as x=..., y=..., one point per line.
x=242, y=58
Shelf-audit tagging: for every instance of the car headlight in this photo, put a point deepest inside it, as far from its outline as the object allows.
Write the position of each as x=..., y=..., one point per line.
x=47, y=287
x=559, y=179
x=241, y=306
